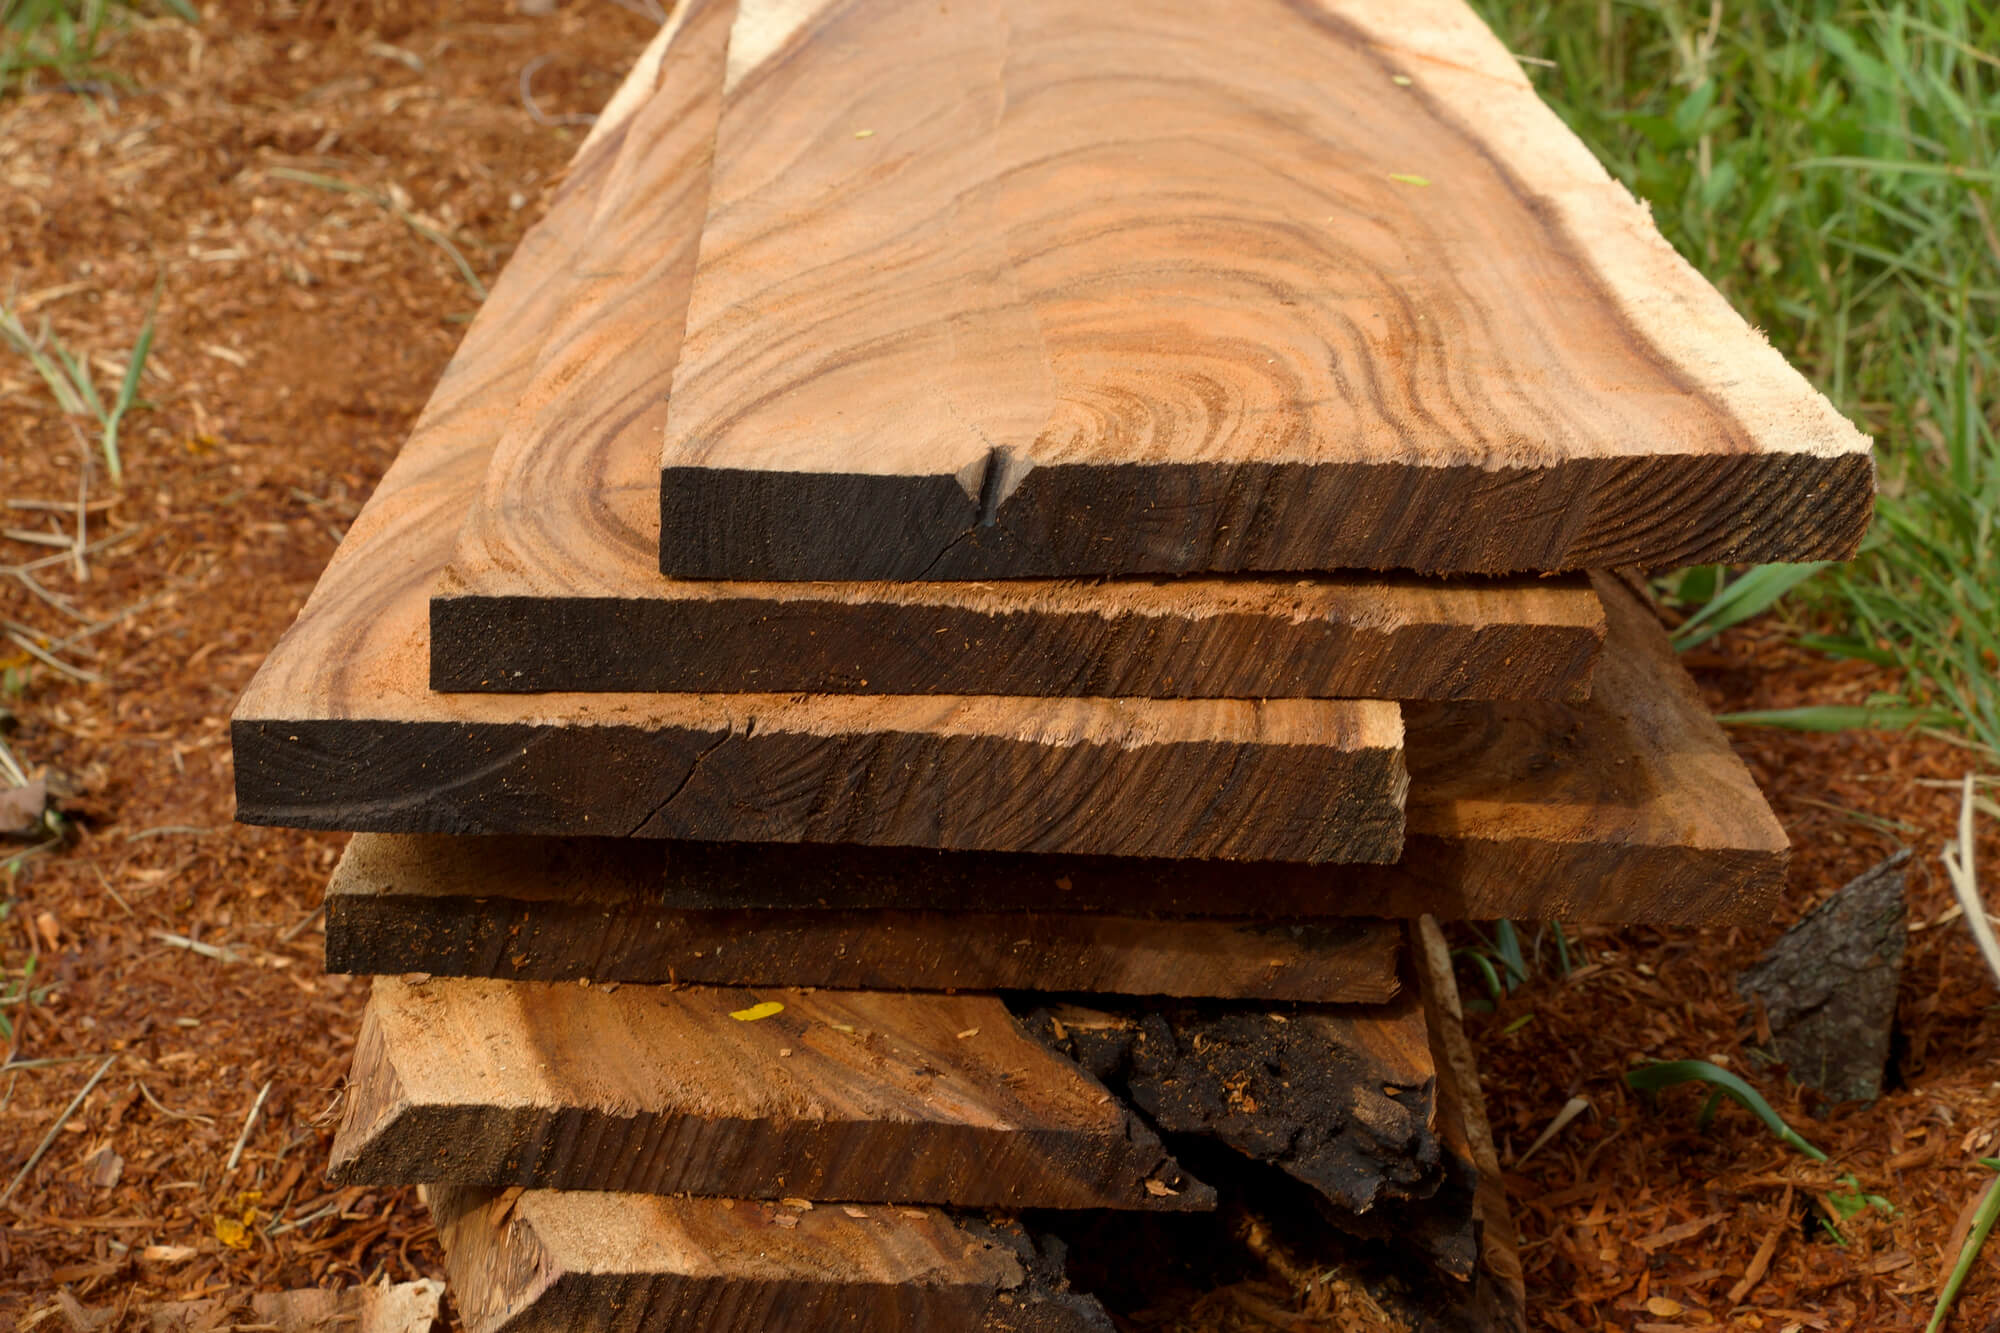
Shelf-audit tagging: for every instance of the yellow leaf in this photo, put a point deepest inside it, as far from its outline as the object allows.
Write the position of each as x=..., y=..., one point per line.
x=756, y=1011
x=232, y=1233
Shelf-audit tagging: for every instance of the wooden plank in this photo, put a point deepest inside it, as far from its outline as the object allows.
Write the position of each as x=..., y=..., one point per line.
x=1013, y=291
x=843, y=1095
x=520, y=627
x=543, y=1261
x=1629, y=807
x=399, y=904
x=1290, y=780
x=340, y=730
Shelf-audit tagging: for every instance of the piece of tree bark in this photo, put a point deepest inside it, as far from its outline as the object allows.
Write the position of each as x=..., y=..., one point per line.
x=543, y=1261
x=398, y=904
x=1828, y=986
x=854, y=1095
x=1340, y=1099
x=1018, y=291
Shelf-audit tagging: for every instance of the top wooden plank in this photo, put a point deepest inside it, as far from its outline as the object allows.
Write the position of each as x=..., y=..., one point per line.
x=1022, y=288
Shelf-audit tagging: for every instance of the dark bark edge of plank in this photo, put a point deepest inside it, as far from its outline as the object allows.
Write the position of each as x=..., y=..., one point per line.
x=608, y=780
x=1592, y=884
x=521, y=644
x=1087, y=521
x=630, y=939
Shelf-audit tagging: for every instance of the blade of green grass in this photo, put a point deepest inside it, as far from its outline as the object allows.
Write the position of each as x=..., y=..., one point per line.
x=1751, y=594
x=1968, y=1253
x=1836, y=717
x=1653, y=1078
x=128, y=389
x=1830, y=164
x=407, y=218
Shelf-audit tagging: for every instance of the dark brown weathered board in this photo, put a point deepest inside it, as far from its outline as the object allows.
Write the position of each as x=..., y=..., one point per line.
x=1630, y=807
x=1287, y=780
x=602, y=619
x=546, y=1261
x=393, y=908
x=340, y=730
x=1011, y=288
x=839, y=1095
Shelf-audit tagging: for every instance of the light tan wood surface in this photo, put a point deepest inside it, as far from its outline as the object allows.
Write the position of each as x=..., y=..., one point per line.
x=554, y=582
x=1013, y=288
x=857, y=1096
x=548, y=1261
x=340, y=730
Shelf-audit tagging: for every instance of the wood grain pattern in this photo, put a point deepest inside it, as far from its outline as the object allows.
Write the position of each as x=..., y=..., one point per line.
x=543, y=1261
x=1629, y=807
x=515, y=631
x=393, y=908
x=854, y=1095
x=1293, y=780
x=340, y=730
x=554, y=582
x=1009, y=290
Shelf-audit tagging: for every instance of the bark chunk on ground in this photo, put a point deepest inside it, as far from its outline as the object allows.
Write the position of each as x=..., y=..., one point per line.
x=1828, y=985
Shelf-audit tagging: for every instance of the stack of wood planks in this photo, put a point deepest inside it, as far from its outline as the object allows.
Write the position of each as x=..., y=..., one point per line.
x=983, y=578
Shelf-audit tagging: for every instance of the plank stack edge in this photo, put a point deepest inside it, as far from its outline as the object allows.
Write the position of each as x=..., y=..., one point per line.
x=918, y=844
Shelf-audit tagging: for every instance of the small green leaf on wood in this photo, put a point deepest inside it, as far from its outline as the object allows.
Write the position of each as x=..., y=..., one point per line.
x=1405, y=178
x=767, y=1009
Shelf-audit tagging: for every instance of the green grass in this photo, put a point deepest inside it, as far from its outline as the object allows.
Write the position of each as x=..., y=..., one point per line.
x=67, y=376
x=63, y=41
x=1835, y=170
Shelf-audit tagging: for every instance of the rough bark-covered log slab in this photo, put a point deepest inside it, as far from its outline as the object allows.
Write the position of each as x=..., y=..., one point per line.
x=846, y=1096
x=1016, y=290
x=1340, y=1099
x=399, y=905
x=542, y=1261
